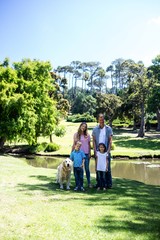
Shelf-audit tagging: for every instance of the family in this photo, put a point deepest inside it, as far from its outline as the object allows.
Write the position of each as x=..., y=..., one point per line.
x=81, y=153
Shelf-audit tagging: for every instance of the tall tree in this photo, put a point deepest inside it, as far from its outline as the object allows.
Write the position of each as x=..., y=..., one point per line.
x=109, y=105
x=27, y=111
x=141, y=85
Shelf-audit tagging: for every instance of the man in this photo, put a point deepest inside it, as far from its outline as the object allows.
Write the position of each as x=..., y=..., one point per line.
x=103, y=134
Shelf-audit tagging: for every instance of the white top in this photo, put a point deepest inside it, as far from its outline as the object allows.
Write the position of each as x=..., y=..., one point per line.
x=102, y=135
x=101, y=161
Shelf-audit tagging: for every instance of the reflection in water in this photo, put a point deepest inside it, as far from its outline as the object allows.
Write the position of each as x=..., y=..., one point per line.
x=146, y=172
x=140, y=171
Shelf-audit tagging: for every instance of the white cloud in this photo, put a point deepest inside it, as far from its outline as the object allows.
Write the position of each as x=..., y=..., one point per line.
x=154, y=21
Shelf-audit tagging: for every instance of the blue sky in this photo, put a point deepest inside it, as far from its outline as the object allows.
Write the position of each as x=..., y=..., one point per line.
x=62, y=31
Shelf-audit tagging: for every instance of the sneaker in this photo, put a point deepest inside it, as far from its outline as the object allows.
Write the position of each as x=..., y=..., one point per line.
x=82, y=189
x=98, y=188
x=76, y=189
x=90, y=185
x=104, y=189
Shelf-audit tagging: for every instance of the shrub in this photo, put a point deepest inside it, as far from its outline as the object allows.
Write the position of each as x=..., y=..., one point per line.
x=113, y=146
x=41, y=147
x=51, y=147
x=85, y=117
x=59, y=131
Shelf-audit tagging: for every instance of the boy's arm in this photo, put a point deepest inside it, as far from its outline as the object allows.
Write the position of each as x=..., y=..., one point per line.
x=83, y=162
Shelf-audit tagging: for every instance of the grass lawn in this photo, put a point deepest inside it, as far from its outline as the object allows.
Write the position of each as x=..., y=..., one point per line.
x=126, y=141
x=33, y=207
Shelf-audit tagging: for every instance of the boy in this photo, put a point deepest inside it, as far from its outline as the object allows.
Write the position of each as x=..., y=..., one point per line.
x=78, y=158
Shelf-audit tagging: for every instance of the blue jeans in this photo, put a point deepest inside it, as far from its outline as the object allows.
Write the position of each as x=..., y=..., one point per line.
x=109, y=174
x=101, y=179
x=86, y=166
x=78, y=174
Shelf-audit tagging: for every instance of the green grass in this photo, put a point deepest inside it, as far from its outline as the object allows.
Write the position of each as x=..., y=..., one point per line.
x=126, y=142
x=33, y=207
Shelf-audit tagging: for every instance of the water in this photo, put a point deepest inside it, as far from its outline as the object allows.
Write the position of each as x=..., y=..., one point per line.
x=147, y=172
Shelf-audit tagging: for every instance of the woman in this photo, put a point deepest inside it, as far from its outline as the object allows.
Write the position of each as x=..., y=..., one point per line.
x=83, y=136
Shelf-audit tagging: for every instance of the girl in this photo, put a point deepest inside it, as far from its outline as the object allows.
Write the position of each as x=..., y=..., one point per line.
x=101, y=166
x=83, y=136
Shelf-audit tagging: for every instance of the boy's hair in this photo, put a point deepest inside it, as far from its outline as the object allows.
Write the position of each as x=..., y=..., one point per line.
x=105, y=149
x=78, y=142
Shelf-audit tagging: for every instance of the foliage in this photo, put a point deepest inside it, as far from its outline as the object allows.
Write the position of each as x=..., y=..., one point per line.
x=108, y=104
x=59, y=131
x=27, y=111
x=84, y=103
x=86, y=117
x=51, y=147
x=113, y=146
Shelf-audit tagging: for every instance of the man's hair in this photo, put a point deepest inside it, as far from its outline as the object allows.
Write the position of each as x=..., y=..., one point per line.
x=100, y=114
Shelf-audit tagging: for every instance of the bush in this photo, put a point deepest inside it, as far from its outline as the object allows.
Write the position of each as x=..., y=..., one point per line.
x=113, y=146
x=51, y=147
x=59, y=131
x=41, y=147
x=85, y=117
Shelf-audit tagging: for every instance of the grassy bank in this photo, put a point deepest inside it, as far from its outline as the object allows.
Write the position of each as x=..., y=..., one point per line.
x=33, y=207
x=126, y=142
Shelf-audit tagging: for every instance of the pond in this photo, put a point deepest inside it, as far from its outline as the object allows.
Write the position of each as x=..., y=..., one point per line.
x=147, y=172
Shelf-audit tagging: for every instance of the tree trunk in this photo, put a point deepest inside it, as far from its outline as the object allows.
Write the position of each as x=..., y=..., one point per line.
x=141, y=132
x=158, y=119
x=2, y=142
x=51, y=141
x=134, y=124
x=110, y=122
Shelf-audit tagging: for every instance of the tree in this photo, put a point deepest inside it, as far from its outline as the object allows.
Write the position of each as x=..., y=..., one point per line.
x=141, y=86
x=108, y=104
x=84, y=103
x=27, y=111
x=154, y=103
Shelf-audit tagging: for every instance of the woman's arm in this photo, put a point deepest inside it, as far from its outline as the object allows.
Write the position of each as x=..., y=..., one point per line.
x=94, y=145
x=89, y=146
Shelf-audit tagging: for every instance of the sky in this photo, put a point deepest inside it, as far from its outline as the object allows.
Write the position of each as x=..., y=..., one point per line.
x=62, y=31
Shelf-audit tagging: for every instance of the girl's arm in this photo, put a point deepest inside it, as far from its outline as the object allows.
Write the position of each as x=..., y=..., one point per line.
x=107, y=163
x=96, y=160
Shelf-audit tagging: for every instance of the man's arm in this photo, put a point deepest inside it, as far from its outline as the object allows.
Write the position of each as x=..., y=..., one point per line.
x=109, y=143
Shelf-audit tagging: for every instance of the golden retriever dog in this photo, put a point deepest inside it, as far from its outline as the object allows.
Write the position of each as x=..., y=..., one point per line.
x=64, y=173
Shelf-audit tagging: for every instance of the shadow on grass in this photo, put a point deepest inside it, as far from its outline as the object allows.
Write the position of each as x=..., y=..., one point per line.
x=136, y=209
x=129, y=206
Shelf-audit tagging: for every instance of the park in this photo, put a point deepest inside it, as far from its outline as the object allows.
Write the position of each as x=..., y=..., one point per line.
x=39, y=116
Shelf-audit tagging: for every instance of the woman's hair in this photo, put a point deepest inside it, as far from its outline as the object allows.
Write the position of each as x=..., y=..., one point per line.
x=79, y=132
x=105, y=149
